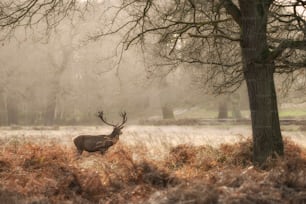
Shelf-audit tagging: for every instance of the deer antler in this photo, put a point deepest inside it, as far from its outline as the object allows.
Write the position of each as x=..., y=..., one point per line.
x=124, y=118
x=123, y=115
x=100, y=115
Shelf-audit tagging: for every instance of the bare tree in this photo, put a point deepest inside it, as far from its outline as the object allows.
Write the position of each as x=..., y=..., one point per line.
x=249, y=27
x=9, y=94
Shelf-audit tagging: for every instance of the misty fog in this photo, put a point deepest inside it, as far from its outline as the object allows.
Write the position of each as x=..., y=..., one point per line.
x=64, y=78
x=65, y=75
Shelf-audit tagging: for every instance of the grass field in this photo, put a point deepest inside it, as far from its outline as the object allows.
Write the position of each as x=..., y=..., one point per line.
x=200, y=112
x=154, y=138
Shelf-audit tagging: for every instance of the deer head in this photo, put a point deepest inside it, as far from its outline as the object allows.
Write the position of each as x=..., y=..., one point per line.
x=118, y=127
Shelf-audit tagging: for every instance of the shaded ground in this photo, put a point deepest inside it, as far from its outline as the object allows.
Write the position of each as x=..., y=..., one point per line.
x=51, y=173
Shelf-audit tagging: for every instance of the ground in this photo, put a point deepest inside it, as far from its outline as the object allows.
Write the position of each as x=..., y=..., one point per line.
x=151, y=164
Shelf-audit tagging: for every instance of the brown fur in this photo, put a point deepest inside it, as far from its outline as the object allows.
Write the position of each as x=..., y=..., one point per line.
x=101, y=143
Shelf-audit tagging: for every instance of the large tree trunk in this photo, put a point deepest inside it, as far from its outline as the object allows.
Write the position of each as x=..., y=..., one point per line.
x=264, y=113
x=258, y=70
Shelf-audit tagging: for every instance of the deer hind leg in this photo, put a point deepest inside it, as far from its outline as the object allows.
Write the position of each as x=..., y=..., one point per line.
x=78, y=154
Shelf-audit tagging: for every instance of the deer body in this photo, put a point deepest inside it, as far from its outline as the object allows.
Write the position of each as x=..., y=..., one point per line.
x=101, y=143
x=93, y=143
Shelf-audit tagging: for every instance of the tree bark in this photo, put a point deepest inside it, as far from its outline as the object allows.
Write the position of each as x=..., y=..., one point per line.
x=258, y=71
x=267, y=136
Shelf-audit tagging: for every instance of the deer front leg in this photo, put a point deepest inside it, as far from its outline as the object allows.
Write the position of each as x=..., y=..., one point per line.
x=78, y=154
x=102, y=150
x=104, y=145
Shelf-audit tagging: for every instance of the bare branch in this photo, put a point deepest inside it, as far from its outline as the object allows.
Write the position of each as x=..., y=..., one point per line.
x=287, y=44
x=232, y=10
x=215, y=36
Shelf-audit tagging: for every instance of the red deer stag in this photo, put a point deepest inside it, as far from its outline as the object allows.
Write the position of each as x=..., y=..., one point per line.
x=94, y=143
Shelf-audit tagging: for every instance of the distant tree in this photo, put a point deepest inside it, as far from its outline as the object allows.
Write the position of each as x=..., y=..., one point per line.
x=59, y=61
x=235, y=99
x=166, y=106
x=9, y=93
x=223, y=107
x=3, y=101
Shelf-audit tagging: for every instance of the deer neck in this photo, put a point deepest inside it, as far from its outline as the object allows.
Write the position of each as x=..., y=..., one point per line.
x=114, y=137
x=114, y=134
